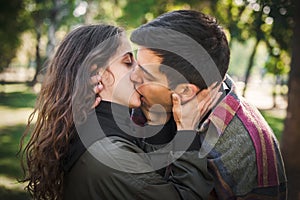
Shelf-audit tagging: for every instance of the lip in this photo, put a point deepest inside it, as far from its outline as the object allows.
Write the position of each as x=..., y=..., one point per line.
x=138, y=91
x=142, y=98
x=144, y=102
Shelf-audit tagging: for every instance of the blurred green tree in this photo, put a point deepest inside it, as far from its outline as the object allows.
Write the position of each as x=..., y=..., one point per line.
x=137, y=12
x=265, y=21
x=46, y=17
x=13, y=22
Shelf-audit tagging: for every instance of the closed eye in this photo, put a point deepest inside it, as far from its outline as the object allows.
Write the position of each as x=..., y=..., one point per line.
x=128, y=59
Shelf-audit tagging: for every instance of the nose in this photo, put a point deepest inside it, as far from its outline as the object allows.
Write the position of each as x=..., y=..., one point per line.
x=136, y=76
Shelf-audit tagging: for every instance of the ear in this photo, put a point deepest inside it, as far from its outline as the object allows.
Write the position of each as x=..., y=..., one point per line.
x=106, y=76
x=186, y=91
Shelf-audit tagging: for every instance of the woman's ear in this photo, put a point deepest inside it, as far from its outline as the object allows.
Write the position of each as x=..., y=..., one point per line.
x=106, y=76
x=186, y=91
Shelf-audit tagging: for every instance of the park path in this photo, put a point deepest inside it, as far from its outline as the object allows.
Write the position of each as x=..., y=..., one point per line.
x=12, y=117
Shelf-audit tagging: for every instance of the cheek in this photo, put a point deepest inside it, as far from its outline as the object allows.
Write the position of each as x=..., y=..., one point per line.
x=166, y=97
x=124, y=85
x=122, y=76
x=125, y=93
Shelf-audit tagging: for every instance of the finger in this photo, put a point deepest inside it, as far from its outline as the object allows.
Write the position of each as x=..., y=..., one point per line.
x=210, y=103
x=216, y=89
x=212, y=86
x=204, y=104
x=212, y=94
x=202, y=94
x=98, y=88
x=176, y=107
x=212, y=89
x=95, y=79
x=219, y=94
x=212, y=97
x=97, y=102
x=176, y=103
x=93, y=67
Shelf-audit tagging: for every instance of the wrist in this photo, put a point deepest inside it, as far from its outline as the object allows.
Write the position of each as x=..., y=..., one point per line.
x=182, y=128
x=185, y=127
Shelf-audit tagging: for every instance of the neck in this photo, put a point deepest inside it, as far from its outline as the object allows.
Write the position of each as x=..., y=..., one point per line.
x=106, y=94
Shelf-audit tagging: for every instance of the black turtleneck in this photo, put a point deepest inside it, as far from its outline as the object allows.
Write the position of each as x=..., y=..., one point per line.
x=114, y=120
x=111, y=119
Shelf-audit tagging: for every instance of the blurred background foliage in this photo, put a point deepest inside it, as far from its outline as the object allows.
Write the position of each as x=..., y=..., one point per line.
x=266, y=23
x=260, y=37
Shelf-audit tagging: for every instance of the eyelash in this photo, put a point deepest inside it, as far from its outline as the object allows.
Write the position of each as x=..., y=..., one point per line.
x=130, y=62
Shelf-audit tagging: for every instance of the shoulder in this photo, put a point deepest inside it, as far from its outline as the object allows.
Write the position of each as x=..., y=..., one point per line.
x=116, y=153
x=105, y=163
x=233, y=159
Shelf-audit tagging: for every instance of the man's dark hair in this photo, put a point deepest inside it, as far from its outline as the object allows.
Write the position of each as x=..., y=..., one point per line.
x=197, y=26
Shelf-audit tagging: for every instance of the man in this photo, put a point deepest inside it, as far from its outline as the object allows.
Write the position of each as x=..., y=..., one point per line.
x=243, y=154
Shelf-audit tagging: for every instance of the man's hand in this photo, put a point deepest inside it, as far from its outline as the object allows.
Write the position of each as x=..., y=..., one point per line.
x=188, y=115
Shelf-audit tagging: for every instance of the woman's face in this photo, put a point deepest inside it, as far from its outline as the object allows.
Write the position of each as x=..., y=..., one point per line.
x=120, y=67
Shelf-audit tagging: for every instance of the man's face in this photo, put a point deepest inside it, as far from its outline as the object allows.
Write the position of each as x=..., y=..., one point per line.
x=151, y=83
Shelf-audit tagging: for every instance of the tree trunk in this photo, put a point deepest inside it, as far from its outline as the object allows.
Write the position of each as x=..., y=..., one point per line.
x=275, y=92
x=290, y=143
x=38, y=59
x=55, y=17
x=51, y=39
x=250, y=65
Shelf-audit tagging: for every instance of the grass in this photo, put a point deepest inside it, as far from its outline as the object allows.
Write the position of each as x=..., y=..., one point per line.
x=18, y=99
x=16, y=102
x=9, y=145
x=17, y=96
x=10, y=170
x=11, y=194
x=275, y=119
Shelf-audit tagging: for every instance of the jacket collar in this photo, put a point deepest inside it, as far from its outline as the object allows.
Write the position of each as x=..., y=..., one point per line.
x=225, y=110
x=109, y=119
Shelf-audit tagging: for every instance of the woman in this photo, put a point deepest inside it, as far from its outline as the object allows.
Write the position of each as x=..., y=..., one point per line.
x=69, y=156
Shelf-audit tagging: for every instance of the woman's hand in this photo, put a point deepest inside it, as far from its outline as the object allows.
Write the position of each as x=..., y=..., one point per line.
x=96, y=80
x=188, y=115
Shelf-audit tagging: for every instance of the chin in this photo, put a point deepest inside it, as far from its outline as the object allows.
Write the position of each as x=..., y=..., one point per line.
x=157, y=108
x=134, y=103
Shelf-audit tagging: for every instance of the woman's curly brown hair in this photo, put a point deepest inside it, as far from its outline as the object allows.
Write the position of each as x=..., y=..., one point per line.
x=43, y=155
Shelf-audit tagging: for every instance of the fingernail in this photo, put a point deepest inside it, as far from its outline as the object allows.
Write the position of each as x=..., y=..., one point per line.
x=100, y=86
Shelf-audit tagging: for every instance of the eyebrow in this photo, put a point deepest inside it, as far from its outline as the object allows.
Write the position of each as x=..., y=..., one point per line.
x=148, y=73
